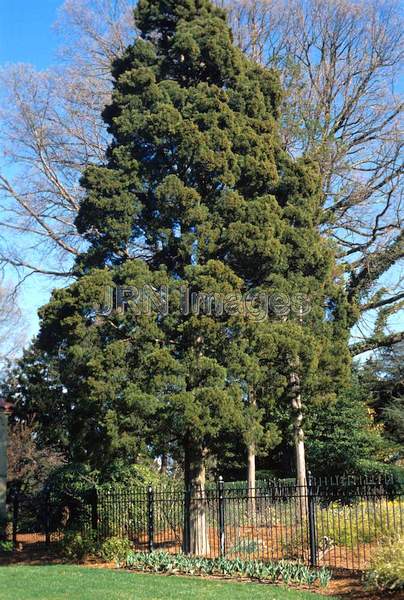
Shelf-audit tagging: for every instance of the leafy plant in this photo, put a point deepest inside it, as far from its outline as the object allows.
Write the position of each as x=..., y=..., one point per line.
x=6, y=546
x=324, y=577
x=287, y=572
x=115, y=549
x=387, y=565
x=348, y=525
x=77, y=545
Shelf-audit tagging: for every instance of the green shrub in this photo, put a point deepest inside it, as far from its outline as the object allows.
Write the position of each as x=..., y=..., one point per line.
x=287, y=572
x=115, y=549
x=6, y=546
x=386, y=570
x=348, y=525
x=78, y=546
x=392, y=474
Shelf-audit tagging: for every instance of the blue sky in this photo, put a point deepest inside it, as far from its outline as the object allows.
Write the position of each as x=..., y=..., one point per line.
x=27, y=36
x=26, y=31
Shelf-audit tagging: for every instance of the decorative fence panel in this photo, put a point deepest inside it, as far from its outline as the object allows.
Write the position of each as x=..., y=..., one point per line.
x=34, y=519
x=336, y=522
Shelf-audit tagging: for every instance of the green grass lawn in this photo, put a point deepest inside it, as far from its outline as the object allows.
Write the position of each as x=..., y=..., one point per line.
x=67, y=582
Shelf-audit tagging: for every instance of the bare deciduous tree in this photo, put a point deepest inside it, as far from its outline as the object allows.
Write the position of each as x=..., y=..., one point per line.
x=340, y=62
x=28, y=464
x=51, y=128
x=12, y=326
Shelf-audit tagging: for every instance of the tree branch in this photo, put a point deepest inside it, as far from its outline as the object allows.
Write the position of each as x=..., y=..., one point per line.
x=376, y=342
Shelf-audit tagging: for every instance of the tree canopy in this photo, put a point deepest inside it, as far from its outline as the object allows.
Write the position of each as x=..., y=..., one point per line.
x=196, y=191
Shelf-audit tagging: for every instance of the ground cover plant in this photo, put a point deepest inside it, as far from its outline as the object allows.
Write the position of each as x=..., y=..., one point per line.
x=286, y=572
x=69, y=582
x=386, y=570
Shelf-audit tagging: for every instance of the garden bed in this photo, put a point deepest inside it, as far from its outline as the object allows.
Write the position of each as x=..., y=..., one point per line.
x=262, y=543
x=346, y=585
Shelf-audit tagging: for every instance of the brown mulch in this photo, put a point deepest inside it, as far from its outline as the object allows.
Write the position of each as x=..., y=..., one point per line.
x=347, y=585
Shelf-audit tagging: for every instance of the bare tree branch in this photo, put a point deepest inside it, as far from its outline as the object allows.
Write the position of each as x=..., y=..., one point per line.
x=340, y=62
x=50, y=129
x=376, y=342
x=383, y=302
x=12, y=325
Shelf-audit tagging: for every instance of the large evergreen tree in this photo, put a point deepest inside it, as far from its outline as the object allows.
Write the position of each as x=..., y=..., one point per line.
x=196, y=192
x=196, y=171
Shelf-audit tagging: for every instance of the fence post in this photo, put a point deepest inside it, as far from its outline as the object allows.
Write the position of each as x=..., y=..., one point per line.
x=47, y=518
x=187, y=515
x=16, y=502
x=312, y=520
x=94, y=510
x=150, y=517
x=220, y=489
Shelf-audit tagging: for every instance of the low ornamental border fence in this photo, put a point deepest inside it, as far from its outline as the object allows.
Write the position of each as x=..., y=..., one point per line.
x=336, y=522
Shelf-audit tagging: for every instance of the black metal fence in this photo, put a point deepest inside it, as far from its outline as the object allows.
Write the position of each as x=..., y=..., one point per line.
x=335, y=521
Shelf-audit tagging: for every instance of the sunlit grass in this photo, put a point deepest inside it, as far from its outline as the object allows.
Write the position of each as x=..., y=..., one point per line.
x=68, y=582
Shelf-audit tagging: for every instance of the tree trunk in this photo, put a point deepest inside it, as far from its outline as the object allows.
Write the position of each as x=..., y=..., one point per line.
x=251, y=468
x=164, y=464
x=298, y=435
x=298, y=432
x=251, y=482
x=197, y=541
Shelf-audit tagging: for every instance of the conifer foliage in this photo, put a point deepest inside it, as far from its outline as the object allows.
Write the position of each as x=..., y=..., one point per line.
x=197, y=192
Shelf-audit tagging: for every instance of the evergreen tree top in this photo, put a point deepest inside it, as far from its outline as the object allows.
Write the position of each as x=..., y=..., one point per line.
x=161, y=17
x=192, y=39
x=194, y=136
